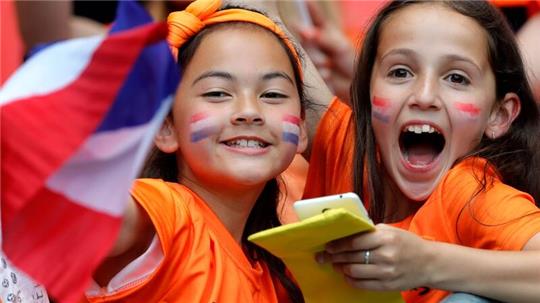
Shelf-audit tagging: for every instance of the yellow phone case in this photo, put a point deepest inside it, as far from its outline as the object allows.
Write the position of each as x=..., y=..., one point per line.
x=297, y=243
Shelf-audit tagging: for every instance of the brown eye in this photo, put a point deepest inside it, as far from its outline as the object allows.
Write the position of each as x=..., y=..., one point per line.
x=399, y=73
x=458, y=79
x=273, y=95
x=215, y=94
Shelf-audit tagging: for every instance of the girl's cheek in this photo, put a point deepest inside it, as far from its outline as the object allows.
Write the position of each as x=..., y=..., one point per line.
x=291, y=129
x=468, y=112
x=381, y=109
x=202, y=125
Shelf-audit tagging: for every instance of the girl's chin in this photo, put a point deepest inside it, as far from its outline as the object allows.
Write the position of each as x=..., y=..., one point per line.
x=417, y=193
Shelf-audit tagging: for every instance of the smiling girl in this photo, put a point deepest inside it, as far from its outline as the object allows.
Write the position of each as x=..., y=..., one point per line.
x=236, y=124
x=444, y=124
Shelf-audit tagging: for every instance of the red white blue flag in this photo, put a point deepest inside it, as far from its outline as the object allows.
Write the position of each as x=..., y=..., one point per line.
x=77, y=120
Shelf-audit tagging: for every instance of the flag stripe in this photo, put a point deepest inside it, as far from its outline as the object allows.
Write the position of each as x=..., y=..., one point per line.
x=106, y=156
x=291, y=119
x=291, y=128
x=290, y=137
x=29, y=80
x=135, y=106
x=37, y=253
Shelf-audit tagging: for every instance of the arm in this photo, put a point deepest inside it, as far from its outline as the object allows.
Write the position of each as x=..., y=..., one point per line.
x=331, y=52
x=401, y=260
x=133, y=240
x=529, y=42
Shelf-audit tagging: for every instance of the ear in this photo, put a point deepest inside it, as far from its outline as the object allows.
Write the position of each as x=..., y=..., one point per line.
x=503, y=115
x=303, y=138
x=166, y=138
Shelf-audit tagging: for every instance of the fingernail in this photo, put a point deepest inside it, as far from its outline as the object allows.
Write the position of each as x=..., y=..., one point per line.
x=319, y=257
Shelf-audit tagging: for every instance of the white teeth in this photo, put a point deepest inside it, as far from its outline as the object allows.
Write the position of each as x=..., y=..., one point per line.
x=246, y=143
x=420, y=128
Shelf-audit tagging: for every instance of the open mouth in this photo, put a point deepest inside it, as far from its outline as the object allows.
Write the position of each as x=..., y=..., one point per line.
x=421, y=144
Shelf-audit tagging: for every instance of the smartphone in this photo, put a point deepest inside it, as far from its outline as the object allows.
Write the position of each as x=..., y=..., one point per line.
x=311, y=207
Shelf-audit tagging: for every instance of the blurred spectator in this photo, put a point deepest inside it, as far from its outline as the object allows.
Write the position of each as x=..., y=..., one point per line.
x=529, y=40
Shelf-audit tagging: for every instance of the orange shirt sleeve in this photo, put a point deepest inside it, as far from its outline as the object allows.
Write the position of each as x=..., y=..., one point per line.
x=500, y=217
x=161, y=206
x=330, y=164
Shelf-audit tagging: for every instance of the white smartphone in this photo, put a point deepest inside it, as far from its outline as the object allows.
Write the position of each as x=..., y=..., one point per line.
x=311, y=207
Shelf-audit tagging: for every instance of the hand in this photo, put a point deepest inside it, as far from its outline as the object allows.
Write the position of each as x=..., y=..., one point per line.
x=397, y=259
x=330, y=51
x=529, y=42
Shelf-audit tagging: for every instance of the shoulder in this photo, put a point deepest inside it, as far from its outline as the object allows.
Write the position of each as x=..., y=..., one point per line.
x=484, y=211
x=168, y=205
x=474, y=189
x=160, y=193
x=470, y=176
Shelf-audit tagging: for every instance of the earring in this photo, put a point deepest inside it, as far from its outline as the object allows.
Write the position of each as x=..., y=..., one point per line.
x=492, y=134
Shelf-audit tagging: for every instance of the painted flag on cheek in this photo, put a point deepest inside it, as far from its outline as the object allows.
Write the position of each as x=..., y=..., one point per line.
x=291, y=129
x=201, y=126
x=77, y=121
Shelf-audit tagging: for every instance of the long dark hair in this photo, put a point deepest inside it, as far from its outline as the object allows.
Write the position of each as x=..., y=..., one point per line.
x=514, y=154
x=264, y=213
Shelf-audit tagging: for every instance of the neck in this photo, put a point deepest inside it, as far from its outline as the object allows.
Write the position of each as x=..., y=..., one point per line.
x=398, y=206
x=231, y=206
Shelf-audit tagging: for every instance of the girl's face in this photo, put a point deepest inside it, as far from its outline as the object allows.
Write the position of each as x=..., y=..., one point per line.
x=432, y=92
x=237, y=111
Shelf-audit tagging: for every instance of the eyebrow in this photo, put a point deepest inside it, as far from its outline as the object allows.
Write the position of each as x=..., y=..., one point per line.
x=464, y=59
x=228, y=76
x=212, y=74
x=273, y=75
x=399, y=51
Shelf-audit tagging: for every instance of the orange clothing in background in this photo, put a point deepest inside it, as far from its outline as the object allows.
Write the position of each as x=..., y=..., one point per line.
x=11, y=45
x=330, y=164
x=201, y=260
x=499, y=218
x=292, y=182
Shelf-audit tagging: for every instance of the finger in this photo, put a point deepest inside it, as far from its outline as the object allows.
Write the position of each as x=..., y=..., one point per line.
x=371, y=284
x=316, y=14
x=322, y=257
x=352, y=257
x=358, y=271
x=356, y=242
x=308, y=34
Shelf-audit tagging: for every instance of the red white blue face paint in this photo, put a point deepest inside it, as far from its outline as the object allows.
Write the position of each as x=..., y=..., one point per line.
x=291, y=129
x=201, y=126
x=469, y=110
x=380, y=108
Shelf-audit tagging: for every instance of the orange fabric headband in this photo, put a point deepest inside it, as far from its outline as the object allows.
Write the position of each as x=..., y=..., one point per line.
x=185, y=24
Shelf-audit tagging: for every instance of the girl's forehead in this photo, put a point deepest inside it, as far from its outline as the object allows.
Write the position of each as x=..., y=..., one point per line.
x=247, y=48
x=432, y=26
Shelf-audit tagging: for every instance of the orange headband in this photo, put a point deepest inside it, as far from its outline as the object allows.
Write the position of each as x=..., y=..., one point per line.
x=200, y=13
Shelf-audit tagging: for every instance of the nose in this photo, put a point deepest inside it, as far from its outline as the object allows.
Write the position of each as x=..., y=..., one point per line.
x=248, y=112
x=426, y=94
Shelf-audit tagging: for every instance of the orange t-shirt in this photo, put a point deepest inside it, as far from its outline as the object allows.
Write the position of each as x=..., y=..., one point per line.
x=201, y=262
x=499, y=218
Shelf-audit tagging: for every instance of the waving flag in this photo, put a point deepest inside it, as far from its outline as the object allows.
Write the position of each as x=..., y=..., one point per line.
x=76, y=123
